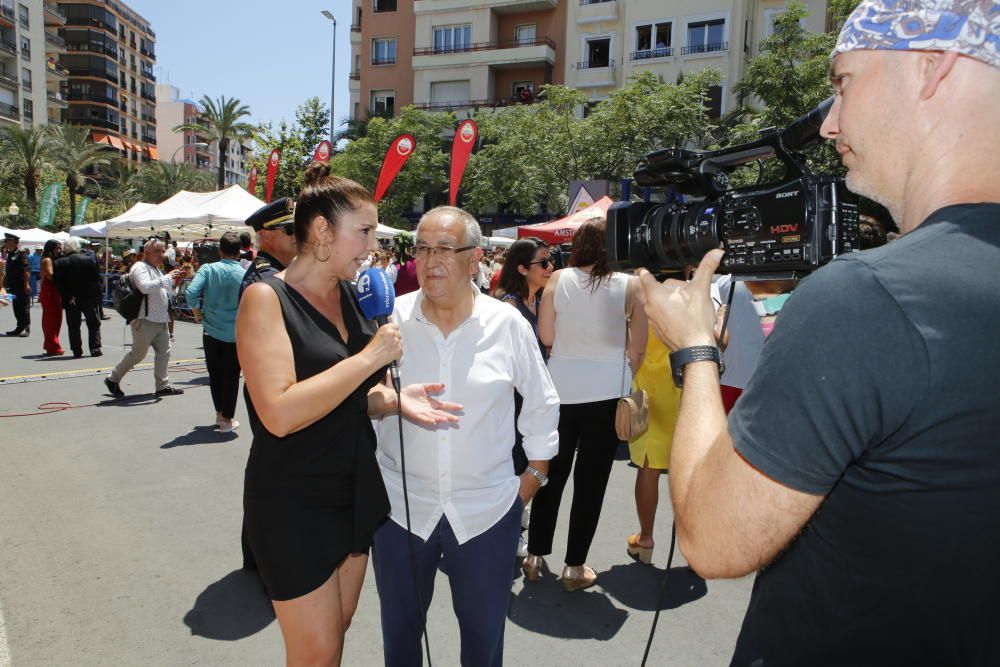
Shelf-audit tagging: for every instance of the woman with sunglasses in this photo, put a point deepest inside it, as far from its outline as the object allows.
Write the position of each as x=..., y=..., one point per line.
x=522, y=279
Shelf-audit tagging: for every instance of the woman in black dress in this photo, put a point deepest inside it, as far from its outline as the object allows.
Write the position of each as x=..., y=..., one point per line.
x=314, y=367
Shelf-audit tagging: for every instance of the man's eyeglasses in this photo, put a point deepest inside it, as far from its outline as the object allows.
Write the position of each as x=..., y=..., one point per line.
x=545, y=263
x=425, y=251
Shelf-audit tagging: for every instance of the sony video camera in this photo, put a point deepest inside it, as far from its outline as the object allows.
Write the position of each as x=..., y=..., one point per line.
x=780, y=229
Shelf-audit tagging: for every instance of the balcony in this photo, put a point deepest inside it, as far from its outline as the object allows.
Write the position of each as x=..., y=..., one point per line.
x=7, y=19
x=148, y=117
x=149, y=140
x=149, y=97
x=596, y=64
x=89, y=71
x=498, y=6
x=10, y=48
x=595, y=74
x=56, y=100
x=504, y=54
x=25, y=53
x=94, y=122
x=26, y=84
x=55, y=70
x=8, y=81
x=148, y=53
x=474, y=105
x=53, y=15
x=28, y=115
x=355, y=27
x=649, y=54
x=384, y=61
x=54, y=43
x=696, y=49
x=9, y=111
x=354, y=76
x=92, y=98
x=594, y=11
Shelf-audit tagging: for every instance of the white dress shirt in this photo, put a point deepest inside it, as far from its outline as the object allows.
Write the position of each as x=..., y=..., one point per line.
x=464, y=470
x=157, y=287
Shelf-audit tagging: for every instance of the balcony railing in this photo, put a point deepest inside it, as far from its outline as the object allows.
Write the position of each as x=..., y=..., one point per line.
x=26, y=85
x=149, y=118
x=29, y=115
x=148, y=53
x=149, y=96
x=53, y=15
x=55, y=68
x=384, y=61
x=149, y=140
x=485, y=46
x=595, y=64
x=9, y=47
x=8, y=81
x=354, y=76
x=91, y=47
x=474, y=104
x=93, y=98
x=355, y=27
x=704, y=48
x=25, y=53
x=9, y=111
x=56, y=99
x=7, y=12
x=646, y=54
x=87, y=71
x=55, y=40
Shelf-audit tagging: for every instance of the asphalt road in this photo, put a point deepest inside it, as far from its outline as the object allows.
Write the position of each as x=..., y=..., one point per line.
x=120, y=524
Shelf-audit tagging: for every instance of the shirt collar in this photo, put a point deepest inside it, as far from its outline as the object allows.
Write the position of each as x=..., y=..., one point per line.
x=477, y=307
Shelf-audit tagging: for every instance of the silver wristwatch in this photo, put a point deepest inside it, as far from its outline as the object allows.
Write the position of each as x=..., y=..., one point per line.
x=542, y=478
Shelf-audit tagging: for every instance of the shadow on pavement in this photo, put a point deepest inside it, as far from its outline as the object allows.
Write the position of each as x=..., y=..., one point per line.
x=128, y=401
x=200, y=435
x=232, y=608
x=545, y=608
x=638, y=586
x=54, y=357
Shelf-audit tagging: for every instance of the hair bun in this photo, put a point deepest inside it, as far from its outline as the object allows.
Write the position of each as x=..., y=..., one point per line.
x=316, y=172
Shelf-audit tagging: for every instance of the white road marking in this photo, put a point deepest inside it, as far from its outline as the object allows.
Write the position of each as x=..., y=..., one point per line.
x=4, y=651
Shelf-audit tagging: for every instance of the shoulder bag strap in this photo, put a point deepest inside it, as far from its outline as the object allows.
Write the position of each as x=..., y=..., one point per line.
x=628, y=336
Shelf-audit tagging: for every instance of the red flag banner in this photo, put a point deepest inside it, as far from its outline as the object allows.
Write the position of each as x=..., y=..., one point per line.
x=399, y=152
x=323, y=151
x=252, y=183
x=272, y=172
x=461, y=149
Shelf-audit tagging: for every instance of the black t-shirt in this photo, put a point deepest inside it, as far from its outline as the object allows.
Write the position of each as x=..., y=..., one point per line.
x=877, y=389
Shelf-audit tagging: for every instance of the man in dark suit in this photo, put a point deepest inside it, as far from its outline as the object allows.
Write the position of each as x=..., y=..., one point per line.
x=78, y=279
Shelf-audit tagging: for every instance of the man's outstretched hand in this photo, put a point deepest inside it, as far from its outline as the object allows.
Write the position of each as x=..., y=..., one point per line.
x=419, y=406
x=681, y=313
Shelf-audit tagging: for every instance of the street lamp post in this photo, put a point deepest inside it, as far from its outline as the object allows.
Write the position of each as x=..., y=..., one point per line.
x=333, y=75
x=13, y=211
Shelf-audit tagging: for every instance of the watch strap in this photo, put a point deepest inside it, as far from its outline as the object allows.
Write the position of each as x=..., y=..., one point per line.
x=687, y=355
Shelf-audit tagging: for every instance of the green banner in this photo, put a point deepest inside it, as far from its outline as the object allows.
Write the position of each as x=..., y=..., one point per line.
x=81, y=210
x=49, y=204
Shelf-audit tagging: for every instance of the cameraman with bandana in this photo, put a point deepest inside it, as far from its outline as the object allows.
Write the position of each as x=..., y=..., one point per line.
x=859, y=473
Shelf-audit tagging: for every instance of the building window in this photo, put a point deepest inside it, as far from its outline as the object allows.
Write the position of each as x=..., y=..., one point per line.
x=522, y=90
x=22, y=15
x=598, y=53
x=25, y=47
x=706, y=36
x=383, y=102
x=384, y=51
x=383, y=6
x=653, y=40
x=26, y=78
x=357, y=110
x=452, y=38
x=525, y=35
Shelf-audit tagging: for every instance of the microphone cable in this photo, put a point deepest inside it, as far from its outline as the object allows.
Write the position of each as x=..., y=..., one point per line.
x=673, y=527
x=409, y=530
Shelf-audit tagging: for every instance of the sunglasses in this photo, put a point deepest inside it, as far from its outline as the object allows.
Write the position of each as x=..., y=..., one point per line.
x=545, y=263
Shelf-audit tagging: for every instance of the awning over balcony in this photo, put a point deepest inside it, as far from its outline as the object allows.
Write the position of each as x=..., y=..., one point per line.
x=153, y=153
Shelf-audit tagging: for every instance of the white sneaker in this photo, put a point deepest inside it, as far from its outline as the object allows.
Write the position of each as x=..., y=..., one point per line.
x=522, y=547
x=229, y=427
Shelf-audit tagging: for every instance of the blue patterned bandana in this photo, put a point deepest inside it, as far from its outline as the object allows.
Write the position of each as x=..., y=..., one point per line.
x=969, y=27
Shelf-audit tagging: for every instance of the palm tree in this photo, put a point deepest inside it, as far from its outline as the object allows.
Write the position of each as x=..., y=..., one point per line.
x=221, y=122
x=73, y=153
x=159, y=180
x=29, y=152
x=120, y=183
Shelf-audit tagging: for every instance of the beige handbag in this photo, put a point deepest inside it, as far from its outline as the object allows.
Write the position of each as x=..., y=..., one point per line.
x=632, y=411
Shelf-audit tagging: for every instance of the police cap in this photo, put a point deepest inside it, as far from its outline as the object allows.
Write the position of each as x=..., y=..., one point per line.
x=7, y=236
x=273, y=215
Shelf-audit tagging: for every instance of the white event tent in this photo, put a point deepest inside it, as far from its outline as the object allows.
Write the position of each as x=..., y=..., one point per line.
x=99, y=230
x=189, y=215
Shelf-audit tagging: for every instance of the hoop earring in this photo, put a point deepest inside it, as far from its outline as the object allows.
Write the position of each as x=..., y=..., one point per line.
x=328, y=251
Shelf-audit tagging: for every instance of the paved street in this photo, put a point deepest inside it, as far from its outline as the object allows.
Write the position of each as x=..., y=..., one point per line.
x=120, y=524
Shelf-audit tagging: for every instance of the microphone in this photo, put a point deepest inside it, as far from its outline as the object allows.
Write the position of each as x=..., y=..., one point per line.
x=377, y=297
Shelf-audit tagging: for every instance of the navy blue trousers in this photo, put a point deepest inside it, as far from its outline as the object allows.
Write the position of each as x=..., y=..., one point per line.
x=480, y=573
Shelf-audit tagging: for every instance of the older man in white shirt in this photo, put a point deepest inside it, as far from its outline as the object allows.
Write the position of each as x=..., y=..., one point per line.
x=465, y=500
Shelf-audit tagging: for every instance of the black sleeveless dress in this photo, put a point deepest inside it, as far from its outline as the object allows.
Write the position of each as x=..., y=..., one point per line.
x=315, y=496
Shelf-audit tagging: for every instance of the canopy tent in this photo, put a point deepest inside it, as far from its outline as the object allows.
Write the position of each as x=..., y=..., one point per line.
x=189, y=215
x=497, y=242
x=386, y=232
x=562, y=230
x=100, y=229
x=32, y=236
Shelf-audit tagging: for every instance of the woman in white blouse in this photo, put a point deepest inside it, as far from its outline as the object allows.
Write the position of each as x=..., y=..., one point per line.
x=583, y=318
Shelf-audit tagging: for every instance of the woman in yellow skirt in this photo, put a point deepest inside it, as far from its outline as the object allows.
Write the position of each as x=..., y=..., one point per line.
x=651, y=451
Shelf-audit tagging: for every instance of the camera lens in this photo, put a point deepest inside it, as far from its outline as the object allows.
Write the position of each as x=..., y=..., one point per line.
x=681, y=235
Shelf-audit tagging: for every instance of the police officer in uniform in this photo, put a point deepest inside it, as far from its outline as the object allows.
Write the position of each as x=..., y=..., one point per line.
x=275, y=227
x=17, y=280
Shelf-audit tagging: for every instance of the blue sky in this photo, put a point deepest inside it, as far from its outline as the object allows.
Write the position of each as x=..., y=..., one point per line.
x=272, y=55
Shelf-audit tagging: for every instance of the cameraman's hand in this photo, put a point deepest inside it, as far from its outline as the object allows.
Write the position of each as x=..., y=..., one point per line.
x=681, y=313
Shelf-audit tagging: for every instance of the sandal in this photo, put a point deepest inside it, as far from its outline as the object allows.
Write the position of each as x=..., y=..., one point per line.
x=637, y=552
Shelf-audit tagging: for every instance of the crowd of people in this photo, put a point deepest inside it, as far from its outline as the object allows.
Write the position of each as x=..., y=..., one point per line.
x=847, y=460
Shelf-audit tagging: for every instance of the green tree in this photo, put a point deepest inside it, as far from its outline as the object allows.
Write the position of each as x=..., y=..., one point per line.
x=73, y=154
x=159, y=180
x=28, y=152
x=313, y=120
x=119, y=189
x=297, y=142
x=223, y=123
x=426, y=170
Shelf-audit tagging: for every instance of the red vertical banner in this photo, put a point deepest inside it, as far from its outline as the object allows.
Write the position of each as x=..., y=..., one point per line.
x=252, y=182
x=272, y=172
x=323, y=151
x=461, y=149
x=399, y=152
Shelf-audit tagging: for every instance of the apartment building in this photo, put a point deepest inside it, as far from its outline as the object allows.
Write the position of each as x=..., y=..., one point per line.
x=458, y=55
x=30, y=76
x=465, y=55
x=110, y=51
x=610, y=40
